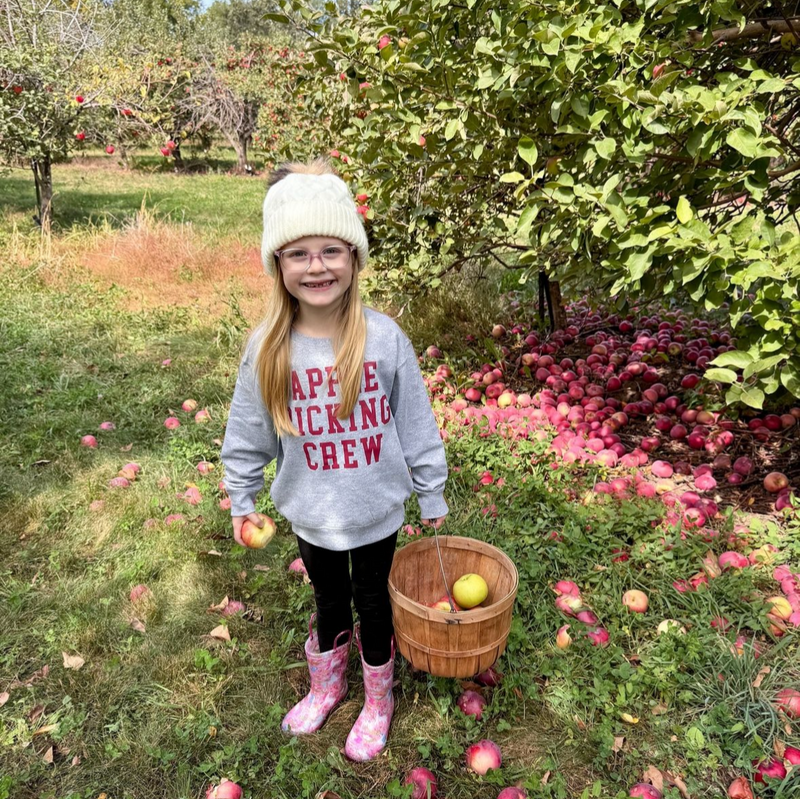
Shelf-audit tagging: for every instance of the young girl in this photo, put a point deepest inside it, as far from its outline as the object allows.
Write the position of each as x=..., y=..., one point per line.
x=332, y=389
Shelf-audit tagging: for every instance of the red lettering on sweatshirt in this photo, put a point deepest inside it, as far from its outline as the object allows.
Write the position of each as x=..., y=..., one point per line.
x=329, y=460
x=369, y=414
x=313, y=431
x=308, y=447
x=332, y=382
x=314, y=377
x=372, y=447
x=370, y=382
x=297, y=389
x=348, y=447
x=334, y=425
x=386, y=410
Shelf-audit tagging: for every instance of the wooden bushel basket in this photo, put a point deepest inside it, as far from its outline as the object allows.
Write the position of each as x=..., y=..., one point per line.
x=448, y=644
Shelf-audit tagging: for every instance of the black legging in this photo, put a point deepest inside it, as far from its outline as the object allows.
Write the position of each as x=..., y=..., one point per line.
x=334, y=590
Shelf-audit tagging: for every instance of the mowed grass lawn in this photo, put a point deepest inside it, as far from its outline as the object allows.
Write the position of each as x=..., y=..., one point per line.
x=123, y=316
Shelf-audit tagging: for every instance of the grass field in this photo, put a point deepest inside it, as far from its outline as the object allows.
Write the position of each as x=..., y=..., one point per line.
x=142, y=299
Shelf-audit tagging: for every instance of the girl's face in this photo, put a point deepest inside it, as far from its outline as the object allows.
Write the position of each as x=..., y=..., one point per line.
x=319, y=287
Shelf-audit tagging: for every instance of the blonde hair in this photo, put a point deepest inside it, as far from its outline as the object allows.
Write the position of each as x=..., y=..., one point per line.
x=273, y=364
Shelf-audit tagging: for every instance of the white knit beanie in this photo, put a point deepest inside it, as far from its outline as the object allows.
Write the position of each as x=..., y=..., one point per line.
x=310, y=205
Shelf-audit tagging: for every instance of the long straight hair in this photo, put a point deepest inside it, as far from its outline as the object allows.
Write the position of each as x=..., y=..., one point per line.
x=273, y=361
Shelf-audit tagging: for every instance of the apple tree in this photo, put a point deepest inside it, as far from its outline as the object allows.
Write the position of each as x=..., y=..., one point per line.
x=633, y=149
x=44, y=111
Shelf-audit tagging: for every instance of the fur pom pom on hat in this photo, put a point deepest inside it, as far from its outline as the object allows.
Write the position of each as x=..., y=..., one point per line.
x=308, y=200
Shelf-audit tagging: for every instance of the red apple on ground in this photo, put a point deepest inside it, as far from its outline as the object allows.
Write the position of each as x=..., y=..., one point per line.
x=482, y=756
x=740, y=789
x=424, y=782
x=110, y=149
x=472, y=704
x=635, y=601
x=225, y=790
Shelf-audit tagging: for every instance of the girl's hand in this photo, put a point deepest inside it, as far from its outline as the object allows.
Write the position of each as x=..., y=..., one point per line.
x=238, y=521
x=435, y=523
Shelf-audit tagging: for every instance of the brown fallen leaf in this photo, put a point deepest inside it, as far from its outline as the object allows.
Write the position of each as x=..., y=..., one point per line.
x=126, y=448
x=659, y=710
x=221, y=632
x=48, y=755
x=4, y=697
x=681, y=786
x=469, y=685
x=260, y=567
x=138, y=626
x=35, y=713
x=779, y=747
x=619, y=742
x=75, y=761
x=518, y=693
x=217, y=608
x=72, y=661
x=545, y=778
x=762, y=673
x=44, y=730
x=35, y=677
x=654, y=777
x=163, y=482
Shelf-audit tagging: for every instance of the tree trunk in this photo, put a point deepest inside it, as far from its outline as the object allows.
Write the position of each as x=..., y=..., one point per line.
x=241, y=153
x=43, y=179
x=176, y=154
x=559, y=314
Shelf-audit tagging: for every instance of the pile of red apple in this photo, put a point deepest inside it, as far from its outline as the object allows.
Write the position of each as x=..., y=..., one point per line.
x=631, y=375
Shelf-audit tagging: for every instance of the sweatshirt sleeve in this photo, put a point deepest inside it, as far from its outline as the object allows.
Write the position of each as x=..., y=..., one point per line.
x=250, y=442
x=419, y=434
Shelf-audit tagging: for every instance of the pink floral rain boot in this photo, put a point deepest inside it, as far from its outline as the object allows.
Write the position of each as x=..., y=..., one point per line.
x=328, y=684
x=371, y=729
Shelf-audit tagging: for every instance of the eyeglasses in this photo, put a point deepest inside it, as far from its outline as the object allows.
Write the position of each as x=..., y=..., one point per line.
x=297, y=260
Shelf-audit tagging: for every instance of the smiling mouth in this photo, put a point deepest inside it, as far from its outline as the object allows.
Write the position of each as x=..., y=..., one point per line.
x=319, y=285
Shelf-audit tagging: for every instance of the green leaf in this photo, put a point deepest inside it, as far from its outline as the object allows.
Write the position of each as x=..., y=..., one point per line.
x=639, y=262
x=511, y=177
x=790, y=377
x=451, y=129
x=605, y=148
x=754, y=397
x=743, y=141
x=735, y=358
x=720, y=375
x=684, y=211
x=528, y=150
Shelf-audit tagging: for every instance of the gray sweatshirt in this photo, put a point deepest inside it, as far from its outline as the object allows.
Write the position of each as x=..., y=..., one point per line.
x=341, y=484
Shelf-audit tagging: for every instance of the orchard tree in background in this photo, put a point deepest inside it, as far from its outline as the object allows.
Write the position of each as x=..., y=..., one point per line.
x=628, y=149
x=43, y=109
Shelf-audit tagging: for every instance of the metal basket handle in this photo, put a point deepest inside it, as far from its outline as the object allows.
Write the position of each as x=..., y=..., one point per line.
x=444, y=576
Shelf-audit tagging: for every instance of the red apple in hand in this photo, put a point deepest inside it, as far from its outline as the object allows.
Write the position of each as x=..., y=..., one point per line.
x=257, y=537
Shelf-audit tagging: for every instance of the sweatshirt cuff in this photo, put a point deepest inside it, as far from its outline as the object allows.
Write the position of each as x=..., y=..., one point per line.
x=432, y=506
x=242, y=502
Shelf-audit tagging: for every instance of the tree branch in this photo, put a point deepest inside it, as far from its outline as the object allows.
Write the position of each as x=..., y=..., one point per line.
x=751, y=30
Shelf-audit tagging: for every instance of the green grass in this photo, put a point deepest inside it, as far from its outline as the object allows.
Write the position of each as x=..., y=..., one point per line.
x=165, y=710
x=218, y=206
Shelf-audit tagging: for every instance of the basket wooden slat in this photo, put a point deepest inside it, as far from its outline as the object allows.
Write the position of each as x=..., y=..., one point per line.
x=458, y=644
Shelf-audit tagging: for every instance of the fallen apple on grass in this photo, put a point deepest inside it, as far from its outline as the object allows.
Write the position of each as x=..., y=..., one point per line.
x=471, y=703
x=644, y=790
x=483, y=756
x=635, y=601
x=256, y=537
x=512, y=793
x=424, y=782
x=740, y=789
x=225, y=790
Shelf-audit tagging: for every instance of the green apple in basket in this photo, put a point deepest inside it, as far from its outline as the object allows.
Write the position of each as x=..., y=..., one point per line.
x=470, y=590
